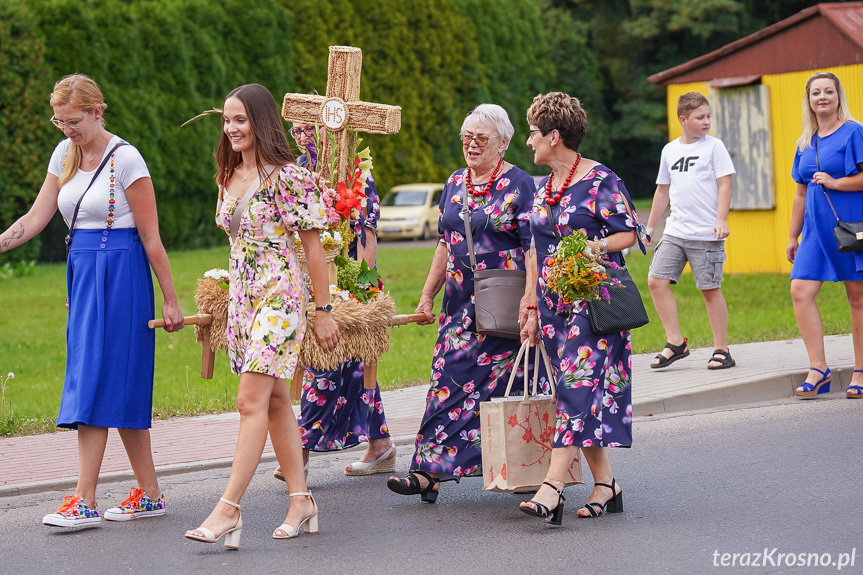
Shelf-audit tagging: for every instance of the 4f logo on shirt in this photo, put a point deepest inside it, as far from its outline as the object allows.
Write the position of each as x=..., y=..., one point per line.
x=683, y=164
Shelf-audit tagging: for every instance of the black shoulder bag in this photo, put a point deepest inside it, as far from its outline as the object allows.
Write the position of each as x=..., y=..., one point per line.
x=68, y=238
x=849, y=235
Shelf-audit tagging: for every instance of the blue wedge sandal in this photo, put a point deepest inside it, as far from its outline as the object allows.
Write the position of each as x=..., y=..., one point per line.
x=812, y=389
x=854, y=391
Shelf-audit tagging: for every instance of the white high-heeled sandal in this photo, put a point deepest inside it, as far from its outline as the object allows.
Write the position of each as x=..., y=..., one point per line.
x=232, y=536
x=311, y=520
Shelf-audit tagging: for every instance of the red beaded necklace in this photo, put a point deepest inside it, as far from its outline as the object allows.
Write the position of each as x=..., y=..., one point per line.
x=485, y=191
x=552, y=200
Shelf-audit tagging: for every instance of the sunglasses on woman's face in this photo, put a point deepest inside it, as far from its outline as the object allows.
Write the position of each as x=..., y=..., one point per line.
x=481, y=141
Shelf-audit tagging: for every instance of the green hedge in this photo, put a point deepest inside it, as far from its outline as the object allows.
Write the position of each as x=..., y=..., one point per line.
x=159, y=62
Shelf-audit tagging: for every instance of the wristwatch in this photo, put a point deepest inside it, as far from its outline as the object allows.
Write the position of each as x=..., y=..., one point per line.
x=328, y=307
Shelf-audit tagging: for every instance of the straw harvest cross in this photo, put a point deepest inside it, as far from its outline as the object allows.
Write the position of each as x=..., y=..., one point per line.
x=340, y=108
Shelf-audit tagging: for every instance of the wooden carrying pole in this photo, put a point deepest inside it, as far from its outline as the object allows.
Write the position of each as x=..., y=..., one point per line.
x=208, y=356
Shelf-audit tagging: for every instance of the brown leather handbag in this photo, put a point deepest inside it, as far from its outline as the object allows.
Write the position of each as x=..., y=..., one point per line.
x=497, y=293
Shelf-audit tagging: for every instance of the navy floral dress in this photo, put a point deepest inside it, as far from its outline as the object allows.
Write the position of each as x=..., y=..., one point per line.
x=336, y=411
x=469, y=368
x=592, y=372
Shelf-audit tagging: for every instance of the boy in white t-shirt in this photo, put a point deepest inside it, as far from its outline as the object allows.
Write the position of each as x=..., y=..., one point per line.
x=695, y=175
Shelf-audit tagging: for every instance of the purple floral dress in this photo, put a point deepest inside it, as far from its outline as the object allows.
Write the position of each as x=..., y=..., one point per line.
x=592, y=372
x=336, y=411
x=469, y=368
x=268, y=295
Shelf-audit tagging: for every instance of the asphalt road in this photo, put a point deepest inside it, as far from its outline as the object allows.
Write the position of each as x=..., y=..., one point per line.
x=783, y=477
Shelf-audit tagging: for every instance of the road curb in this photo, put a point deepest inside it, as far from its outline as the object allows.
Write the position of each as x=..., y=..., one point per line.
x=735, y=393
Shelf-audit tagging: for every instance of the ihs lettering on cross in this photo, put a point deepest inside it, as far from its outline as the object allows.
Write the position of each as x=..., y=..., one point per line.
x=341, y=108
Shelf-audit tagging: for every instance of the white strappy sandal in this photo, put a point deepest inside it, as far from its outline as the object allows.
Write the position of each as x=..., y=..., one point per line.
x=311, y=522
x=232, y=536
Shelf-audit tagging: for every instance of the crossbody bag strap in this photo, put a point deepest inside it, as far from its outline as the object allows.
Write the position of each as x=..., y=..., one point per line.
x=68, y=238
x=465, y=212
x=818, y=167
x=244, y=201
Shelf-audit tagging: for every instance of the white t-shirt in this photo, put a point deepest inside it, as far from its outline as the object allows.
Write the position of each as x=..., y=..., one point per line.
x=129, y=166
x=692, y=171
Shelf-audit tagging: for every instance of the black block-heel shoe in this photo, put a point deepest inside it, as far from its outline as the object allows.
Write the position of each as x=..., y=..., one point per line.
x=551, y=516
x=613, y=505
x=410, y=485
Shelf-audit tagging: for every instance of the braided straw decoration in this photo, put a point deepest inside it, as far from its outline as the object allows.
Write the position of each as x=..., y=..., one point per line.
x=364, y=328
x=329, y=254
x=213, y=299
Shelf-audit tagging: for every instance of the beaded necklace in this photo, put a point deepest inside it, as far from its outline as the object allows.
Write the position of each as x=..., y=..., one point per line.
x=111, y=200
x=552, y=200
x=485, y=191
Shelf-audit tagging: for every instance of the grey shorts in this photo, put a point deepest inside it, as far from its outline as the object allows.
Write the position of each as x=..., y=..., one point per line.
x=705, y=259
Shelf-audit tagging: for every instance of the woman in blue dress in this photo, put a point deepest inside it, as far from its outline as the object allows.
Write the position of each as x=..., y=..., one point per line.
x=828, y=168
x=592, y=372
x=109, y=348
x=467, y=367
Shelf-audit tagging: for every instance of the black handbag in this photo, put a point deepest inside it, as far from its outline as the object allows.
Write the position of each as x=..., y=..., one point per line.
x=624, y=310
x=849, y=235
x=497, y=293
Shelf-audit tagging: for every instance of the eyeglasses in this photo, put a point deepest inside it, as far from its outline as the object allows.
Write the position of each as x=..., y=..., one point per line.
x=308, y=131
x=530, y=133
x=481, y=141
x=68, y=123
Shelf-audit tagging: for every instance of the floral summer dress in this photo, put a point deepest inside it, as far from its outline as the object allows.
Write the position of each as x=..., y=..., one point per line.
x=268, y=295
x=469, y=368
x=592, y=372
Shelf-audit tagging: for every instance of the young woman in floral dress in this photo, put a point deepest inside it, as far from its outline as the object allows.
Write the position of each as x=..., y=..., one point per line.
x=268, y=298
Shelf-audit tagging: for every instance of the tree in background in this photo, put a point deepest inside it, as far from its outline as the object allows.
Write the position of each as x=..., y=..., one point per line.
x=628, y=40
x=24, y=124
x=160, y=62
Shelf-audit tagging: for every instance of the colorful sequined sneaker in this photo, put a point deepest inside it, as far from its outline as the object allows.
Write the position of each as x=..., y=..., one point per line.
x=73, y=513
x=137, y=506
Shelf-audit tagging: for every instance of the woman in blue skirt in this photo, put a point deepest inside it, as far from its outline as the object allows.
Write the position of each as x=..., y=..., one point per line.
x=103, y=189
x=828, y=169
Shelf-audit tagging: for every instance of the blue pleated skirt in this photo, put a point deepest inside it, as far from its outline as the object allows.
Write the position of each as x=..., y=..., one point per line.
x=109, y=348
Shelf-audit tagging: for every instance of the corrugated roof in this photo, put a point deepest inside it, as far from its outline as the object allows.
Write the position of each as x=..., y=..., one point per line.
x=846, y=17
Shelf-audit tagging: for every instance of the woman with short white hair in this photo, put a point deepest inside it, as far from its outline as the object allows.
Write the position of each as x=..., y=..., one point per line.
x=468, y=367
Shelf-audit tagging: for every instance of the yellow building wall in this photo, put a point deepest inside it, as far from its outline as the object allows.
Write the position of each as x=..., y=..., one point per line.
x=758, y=237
